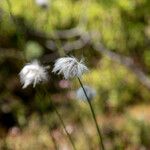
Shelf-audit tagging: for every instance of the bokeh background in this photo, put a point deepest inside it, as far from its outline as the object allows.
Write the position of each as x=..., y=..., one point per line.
x=113, y=37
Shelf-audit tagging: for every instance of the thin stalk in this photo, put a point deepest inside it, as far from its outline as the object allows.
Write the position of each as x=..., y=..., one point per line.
x=54, y=141
x=43, y=120
x=62, y=122
x=94, y=117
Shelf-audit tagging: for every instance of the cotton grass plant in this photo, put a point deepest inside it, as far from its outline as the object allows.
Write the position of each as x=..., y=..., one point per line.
x=70, y=68
x=34, y=73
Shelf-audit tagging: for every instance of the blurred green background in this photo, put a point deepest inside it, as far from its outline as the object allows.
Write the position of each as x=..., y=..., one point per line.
x=113, y=36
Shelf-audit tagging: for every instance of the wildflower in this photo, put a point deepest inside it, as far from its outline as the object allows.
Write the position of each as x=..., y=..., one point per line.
x=42, y=3
x=33, y=73
x=91, y=93
x=69, y=67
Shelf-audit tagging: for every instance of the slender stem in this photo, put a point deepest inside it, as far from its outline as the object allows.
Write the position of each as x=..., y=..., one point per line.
x=54, y=141
x=62, y=122
x=94, y=116
x=43, y=120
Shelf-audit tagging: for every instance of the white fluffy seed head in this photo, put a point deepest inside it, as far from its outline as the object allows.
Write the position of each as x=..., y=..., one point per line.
x=69, y=67
x=91, y=93
x=33, y=73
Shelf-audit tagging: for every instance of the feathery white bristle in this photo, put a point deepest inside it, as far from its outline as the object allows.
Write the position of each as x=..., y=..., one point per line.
x=69, y=67
x=33, y=73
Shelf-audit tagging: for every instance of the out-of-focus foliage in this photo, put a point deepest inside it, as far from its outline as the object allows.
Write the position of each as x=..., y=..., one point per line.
x=121, y=101
x=33, y=51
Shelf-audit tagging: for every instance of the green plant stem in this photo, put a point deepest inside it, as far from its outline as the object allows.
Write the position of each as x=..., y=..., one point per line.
x=54, y=141
x=62, y=122
x=94, y=117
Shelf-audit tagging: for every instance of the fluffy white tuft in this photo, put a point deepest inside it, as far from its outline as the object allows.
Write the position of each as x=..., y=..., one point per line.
x=33, y=73
x=91, y=93
x=69, y=67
